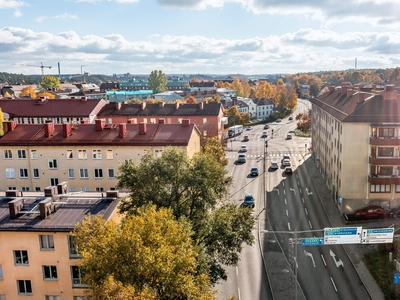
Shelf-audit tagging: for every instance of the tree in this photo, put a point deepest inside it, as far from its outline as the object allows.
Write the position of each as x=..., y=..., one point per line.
x=237, y=86
x=264, y=90
x=157, y=82
x=190, y=99
x=214, y=148
x=304, y=122
x=49, y=83
x=245, y=87
x=1, y=122
x=46, y=94
x=194, y=189
x=234, y=117
x=28, y=92
x=149, y=254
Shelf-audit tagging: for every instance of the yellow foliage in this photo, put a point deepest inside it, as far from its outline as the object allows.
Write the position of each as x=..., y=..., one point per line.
x=46, y=94
x=28, y=92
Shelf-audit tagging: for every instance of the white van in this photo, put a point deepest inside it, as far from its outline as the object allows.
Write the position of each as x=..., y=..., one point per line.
x=286, y=162
x=289, y=136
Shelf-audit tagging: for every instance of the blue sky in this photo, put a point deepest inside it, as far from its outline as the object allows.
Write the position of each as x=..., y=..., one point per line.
x=198, y=36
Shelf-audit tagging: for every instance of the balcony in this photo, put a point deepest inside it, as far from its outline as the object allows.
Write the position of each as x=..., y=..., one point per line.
x=384, y=160
x=384, y=141
x=383, y=179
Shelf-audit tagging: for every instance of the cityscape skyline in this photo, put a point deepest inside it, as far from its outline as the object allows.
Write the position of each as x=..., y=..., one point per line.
x=197, y=36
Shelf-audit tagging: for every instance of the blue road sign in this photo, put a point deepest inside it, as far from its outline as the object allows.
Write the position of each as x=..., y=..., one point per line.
x=312, y=241
x=342, y=235
x=396, y=278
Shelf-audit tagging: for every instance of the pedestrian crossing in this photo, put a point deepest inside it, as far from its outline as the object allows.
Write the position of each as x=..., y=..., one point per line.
x=268, y=154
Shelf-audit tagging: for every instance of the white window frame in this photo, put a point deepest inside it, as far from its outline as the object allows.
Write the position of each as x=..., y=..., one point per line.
x=53, y=165
x=7, y=154
x=21, y=154
x=110, y=154
x=23, y=173
x=70, y=154
x=34, y=154
x=83, y=173
x=82, y=154
x=25, y=188
x=10, y=173
x=96, y=154
x=52, y=297
x=34, y=170
x=71, y=173
x=54, y=181
x=111, y=173
x=98, y=173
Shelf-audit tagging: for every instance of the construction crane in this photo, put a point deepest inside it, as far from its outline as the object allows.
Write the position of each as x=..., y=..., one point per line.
x=41, y=66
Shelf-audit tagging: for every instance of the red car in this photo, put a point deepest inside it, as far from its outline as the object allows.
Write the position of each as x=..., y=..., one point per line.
x=246, y=138
x=370, y=212
x=288, y=170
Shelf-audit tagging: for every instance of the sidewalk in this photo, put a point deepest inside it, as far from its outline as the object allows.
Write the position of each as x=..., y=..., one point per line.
x=336, y=220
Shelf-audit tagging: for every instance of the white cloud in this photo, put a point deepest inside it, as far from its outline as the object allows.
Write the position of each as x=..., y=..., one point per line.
x=17, y=14
x=64, y=16
x=7, y=4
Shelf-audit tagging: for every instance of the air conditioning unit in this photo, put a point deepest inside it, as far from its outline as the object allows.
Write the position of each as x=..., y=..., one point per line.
x=112, y=194
x=13, y=193
x=50, y=191
x=62, y=188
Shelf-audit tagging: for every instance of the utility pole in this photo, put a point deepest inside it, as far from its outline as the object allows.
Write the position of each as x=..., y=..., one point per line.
x=82, y=73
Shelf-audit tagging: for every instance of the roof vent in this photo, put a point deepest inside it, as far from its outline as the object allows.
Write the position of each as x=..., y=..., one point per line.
x=50, y=191
x=15, y=207
x=62, y=188
x=46, y=207
x=112, y=194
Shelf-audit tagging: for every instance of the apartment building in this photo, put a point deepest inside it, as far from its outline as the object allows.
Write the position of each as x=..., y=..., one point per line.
x=39, y=259
x=35, y=156
x=356, y=145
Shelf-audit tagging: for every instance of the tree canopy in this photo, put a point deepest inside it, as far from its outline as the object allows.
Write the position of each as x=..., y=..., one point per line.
x=148, y=256
x=49, y=83
x=157, y=81
x=28, y=92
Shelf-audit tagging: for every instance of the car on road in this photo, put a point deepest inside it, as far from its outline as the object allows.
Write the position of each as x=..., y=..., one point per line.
x=290, y=118
x=249, y=128
x=289, y=136
x=243, y=148
x=254, y=171
x=274, y=165
x=285, y=156
x=266, y=126
x=248, y=201
x=241, y=158
x=264, y=134
x=286, y=162
x=288, y=170
x=278, y=120
x=370, y=212
x=246, y=138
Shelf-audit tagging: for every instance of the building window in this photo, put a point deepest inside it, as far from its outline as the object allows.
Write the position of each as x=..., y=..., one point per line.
x=34, y=154
x=25, y=189
x=21, y=258
x=71, y=173
x=53, y=181
x=1, y=273
x=46, y=242
x=145, y=120
x=83, y=173
x=386, y=132
x=21, y=154
x=380, y=188
x=24, y=287
x=85, y=189
x=23, y=173
x=96, y=154
x=99, y=189
x=11, y=188
x=82, y=154
x=385, y=151
x=7, y=154
x=152, y=120
x=37, y=188
x=10, y=173
x=78, y=298
x=73, y=252
x=70, y=154
x=205, y=133
x=158, y=153
x=110, y=154
x=52, y=163
x=76, y=277
x=98, y=173
x=52, y=297
x=35, y=173
x=385, y=170
x=397, y=188
x=111, y=173
x=204, y=120
x=179, y=120
x=49, y=272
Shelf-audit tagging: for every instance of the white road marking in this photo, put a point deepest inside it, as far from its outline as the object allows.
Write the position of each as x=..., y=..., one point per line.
x=311, y=256
x=284, y=192
x=323, y=260
x=302, y=199
x=305, y=209
x=293, y=190
x=298, y=182
x=239, y=293
x=285, y=201
x=337, y=262
x=237, y=270
x=287, y=213
x=288, y=225
x=301, y=192
x=295, y=259
x=309, y=223
x=333, y=283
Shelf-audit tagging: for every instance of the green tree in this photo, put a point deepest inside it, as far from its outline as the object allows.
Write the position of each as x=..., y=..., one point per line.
x=157, y=81
x=214, y=148
x=149, y=254
x=28, y=92
x=49, y=83
x=194, y=189
x=234, y=117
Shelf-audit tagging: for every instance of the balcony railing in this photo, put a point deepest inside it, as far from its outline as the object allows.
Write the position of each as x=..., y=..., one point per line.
x=383, y=179
x=384, y=160
x=384, y=141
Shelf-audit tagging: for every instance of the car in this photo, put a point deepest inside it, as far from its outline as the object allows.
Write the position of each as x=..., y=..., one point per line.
x=246, y=138
x=243, y=148
x=290, y=118
x=264, y=134
x=286, y=162
x=289, y=136
x=278, y=120
x=249, y=128
x=266, y=126
x=370, y=212
x=241, y=158
x=288, y=170
x=248, y=201
x=285, y=156
x=274, y=165
x=394, y=213
x=254, y=171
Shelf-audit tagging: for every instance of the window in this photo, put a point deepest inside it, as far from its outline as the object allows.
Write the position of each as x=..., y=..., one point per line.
x=83, y=173
x=152, y=120
x=35, y=173
x=21, y=258
x=85, y=189
x=46, y=242
x=71, y=173
x=111, y=173
x=109, y=154
x=10, y=173
x=179, y=120
x=158, y=153
x=98, y=173
x=52, y=163
x=380, y=188
x=76, y=277
x=49, y=272
x=11, y=188
x=52, y=297
x=78, y=298
x=96, y=154
x=385, y=170
x=24, y=287
x=21, y=154
x=25, y=188
x=386, y=132
x=7, y=154
x=53, y=181
x=397, y=188
x=204, y=120
x=73, y=253
x=70, y=154
x=82, y=154
x=1, y=273
x=385, y=151
x=99, y=189
x=37, y=188
x=34, y=154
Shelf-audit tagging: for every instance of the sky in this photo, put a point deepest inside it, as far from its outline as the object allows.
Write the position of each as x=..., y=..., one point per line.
x=197, y=36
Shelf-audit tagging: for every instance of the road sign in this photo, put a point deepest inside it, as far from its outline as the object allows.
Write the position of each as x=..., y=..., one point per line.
x=342, y=235
x=377, y=236
x=396, y=278
x=312, y=241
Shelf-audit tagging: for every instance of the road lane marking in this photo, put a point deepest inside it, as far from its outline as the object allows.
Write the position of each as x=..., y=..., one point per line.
x=293, y=190
x=305, y=209
x=287, y=213
x=301, y=192
x=302, y=199
x=239, y=293
x=309, y=223
x=288, y=225
x=276, y=190
x=284, y=192
x=323, y=259
x=237, y=270
x=285, y=201
x=333, y=283
x=311, y=256
x=339, y=262
x=298, y=182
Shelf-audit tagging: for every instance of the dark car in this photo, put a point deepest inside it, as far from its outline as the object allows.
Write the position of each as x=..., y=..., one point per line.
x=264, y=134
x=246, y=138
x=370, y=212
x=266, y=126
x=248, y=201
x=290, y=118
x=254, y=171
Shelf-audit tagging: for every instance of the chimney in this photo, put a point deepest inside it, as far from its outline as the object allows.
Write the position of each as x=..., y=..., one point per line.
x=46, y=207
x=11, y=125
x=201, y=105
x=142, y=128
x=130, y=121
x=331, y=89
x=350, y=92
x=83, y=99
x=118, y=105
x=185, y=123
x=122, y=130
x=99, y=124
x=161, y=104
x=356, y=87
x=66, y=130
x=14, y=207
x=84, y=122
x=344, y=90
x=48, y=128
x=390, y=93
x=72, y=97
x=176, y=105
x=143, y=105
x=161, y=121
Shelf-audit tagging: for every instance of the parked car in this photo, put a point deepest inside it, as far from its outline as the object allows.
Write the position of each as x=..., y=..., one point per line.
x=241, y=158
x=286, y=162
x=266, y=126
x=289, y=136
x=248, y=201
x=246, y=138
x=370, y=212
x=274, y=165
x=288, y=170
x=290, y=118
x=278, y=120
x=249, y=128
x=264, y=134
x=254, y=171
x=243, y=148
